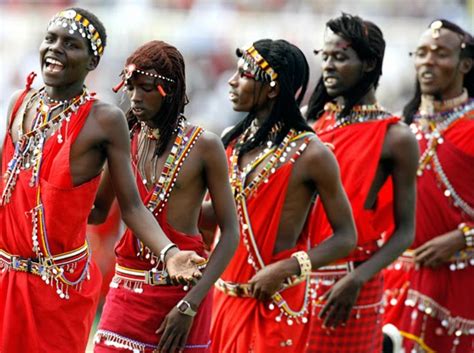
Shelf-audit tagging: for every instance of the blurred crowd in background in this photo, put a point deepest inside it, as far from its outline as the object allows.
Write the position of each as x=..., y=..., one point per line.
x=207, y=32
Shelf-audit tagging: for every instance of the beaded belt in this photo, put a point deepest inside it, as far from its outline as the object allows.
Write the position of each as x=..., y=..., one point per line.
x=153, y=277
x=458, y=261
x=242, y=290
x=336, y=269
x=46, y=268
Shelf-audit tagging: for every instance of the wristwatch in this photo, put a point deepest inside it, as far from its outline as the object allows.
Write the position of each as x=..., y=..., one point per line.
x=184, y=307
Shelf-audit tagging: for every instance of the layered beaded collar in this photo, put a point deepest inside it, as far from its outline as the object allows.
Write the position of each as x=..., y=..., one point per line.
x=47, y=121
x=358, y=114
x=432, y=128
x=429, y=106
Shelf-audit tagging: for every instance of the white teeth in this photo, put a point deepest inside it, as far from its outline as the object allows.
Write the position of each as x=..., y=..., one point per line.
x=427, y=75
x=53, y=61
x=330, y=80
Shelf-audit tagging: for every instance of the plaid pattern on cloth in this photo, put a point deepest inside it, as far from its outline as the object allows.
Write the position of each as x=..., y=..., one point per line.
x=362, y=332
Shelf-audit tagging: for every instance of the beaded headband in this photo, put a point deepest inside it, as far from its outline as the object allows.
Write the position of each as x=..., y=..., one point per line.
x=128, y=72
x=74, y=21
x=436, y=26
x=257, y=65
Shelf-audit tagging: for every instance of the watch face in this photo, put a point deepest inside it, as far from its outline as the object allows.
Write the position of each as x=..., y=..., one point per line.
x=183, y=306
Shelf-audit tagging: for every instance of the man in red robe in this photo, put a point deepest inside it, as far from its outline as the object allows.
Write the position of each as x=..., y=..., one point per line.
x=377, y=156
x=58, y=140
x=277, y=166
x=174, y=163
x=430, y=287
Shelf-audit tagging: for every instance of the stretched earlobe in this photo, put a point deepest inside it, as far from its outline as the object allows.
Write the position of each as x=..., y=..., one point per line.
x=466, y=65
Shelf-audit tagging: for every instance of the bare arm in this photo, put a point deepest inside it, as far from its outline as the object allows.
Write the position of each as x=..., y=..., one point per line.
x=176, y=326
x=13, y=99
x=103, y=200
x=134, y=213
x=404, y=151
x=217, y=180
x=322, y=172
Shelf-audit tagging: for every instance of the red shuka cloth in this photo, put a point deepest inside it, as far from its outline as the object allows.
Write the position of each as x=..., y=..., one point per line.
x=245, y=324
x=447, y=290
x=33, y=318
x=357, y=148
x=137, y=316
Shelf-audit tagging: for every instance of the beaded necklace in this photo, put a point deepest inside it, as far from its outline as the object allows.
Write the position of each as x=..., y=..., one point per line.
x=29, y=147
x=163, y=186
x=277, y=155
x=29, y=153
x=432, y=128
x=358, y=114
x=146, y=135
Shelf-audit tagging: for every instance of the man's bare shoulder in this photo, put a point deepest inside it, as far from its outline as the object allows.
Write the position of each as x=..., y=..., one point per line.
x=209, y=145
x=14, y=98
x=107, y=114
x=317, y=152
x=209, y=139
x=400, y=137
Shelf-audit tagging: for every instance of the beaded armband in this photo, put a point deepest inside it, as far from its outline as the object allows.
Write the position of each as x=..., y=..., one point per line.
x=304, y=261
x=468, y=233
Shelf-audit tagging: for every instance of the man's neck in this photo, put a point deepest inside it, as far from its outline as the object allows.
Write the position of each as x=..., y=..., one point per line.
x=65, y=92
x=430, y=104
x=369, y=98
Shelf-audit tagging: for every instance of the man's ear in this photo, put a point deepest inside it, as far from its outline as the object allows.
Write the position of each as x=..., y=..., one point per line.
x=465, y=65
x=274, y=91
x=369, y=65
x=93, y=62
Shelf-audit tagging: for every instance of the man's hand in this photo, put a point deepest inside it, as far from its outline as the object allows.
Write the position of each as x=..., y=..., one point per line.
x=339, y=300
x=183, y=268
x=174, y=331
x=267, y=281
x=439, y=250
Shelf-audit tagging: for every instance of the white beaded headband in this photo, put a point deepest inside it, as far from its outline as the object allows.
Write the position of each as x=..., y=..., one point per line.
x=74, y=21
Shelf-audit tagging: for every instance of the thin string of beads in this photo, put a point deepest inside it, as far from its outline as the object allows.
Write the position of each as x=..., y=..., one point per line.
x=255, y=259
x=47, y=121
x=432, y=128
x=146, y=136
x=163, y=187
x=358, y=114
x=238, y=176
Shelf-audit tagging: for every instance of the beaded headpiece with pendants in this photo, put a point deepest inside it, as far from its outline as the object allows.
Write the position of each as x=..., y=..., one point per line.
x=74, y=21
x=255, y=64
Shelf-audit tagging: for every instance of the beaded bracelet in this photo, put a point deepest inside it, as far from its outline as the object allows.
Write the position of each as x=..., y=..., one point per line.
x=165, y=250
x=304, y=261
x=468, y=233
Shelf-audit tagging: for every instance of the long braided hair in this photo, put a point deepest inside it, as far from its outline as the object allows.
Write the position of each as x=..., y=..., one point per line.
x=167, y=61
x=467, y=52
x=367, y=41
x=293, y=76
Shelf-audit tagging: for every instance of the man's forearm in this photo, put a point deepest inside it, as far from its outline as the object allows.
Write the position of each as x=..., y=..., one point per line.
x=389, y=252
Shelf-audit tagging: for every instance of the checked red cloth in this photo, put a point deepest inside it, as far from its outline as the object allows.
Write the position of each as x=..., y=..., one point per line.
x=362, y=332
